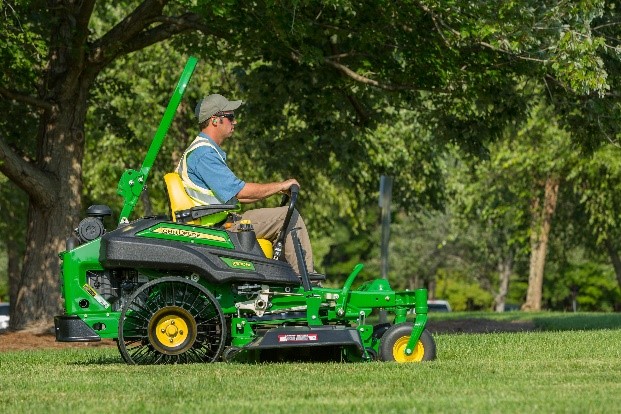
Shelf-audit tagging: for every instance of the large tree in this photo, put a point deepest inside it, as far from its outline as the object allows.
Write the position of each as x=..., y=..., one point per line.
x=336, y=66
x=71, y=54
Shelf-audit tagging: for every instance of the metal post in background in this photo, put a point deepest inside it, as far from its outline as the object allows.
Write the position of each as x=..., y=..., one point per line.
x=385, y=199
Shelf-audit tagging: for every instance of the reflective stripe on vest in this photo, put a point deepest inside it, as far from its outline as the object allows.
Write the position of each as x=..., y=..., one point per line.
x=196, y=192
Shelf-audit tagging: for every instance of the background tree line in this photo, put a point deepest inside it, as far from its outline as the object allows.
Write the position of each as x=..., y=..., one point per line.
x=497, y=122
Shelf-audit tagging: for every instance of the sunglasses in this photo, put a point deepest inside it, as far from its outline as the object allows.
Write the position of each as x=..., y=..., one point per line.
x=230, y=117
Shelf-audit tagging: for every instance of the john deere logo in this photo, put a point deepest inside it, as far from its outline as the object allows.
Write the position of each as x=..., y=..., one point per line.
x=238, y=264
x=188, y=233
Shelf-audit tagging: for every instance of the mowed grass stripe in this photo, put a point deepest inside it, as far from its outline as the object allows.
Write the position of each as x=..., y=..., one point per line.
x=570, y=371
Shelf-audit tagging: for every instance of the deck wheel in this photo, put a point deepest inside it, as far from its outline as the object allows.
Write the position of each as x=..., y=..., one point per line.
x=394, y=342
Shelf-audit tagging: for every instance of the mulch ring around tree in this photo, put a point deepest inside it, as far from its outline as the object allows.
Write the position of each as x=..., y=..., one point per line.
x=41, y=338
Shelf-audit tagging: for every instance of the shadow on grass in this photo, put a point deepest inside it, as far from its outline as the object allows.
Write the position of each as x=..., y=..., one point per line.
x=479, y=325
x=489, y=322
x=573, y=322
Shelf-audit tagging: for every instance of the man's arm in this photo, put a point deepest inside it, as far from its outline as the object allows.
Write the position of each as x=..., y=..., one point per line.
x=252, y=192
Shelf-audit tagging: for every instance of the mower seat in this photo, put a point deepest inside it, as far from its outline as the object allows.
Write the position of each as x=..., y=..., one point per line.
x=184, y=209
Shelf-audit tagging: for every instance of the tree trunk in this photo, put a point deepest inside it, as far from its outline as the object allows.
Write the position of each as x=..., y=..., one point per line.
x=505, y=268
x=14, y=255
x=540, y=232
x=431, y=289
x=37, y=296
x=412, y=282
x=13, y=213
x=614, y=258
x=55, y=203
x=51, y=218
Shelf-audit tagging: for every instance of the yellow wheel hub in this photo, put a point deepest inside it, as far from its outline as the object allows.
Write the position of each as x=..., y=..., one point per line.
x=172, y=330
x=398, y=351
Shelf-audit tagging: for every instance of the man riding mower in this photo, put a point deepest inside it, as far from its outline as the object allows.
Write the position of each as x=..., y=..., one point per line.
x=185, y=288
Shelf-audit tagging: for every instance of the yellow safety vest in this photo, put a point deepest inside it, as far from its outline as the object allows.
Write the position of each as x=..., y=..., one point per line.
x=196, y=192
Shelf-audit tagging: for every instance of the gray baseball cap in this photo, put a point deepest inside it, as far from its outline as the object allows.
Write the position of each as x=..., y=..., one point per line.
x=212, y=104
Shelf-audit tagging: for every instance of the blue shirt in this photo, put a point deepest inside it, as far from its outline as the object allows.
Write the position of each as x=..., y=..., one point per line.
x=207, y=168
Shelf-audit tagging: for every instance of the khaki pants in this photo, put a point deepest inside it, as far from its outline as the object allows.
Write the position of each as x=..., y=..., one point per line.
x=267, y=222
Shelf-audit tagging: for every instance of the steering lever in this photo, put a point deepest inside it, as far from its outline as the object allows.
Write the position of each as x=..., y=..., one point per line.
x=290, y=198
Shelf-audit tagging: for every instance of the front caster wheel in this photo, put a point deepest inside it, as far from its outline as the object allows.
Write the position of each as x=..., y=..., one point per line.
x=171, y=320
x=395, y=340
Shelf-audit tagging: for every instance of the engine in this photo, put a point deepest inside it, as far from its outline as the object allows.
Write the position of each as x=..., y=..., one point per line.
x=115, y=286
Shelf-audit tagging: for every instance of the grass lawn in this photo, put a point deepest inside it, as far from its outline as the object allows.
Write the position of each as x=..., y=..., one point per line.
x=550, y=321
x=548, y=371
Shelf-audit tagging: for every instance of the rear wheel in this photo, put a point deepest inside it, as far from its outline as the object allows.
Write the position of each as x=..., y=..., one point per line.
x=171, y=320
x=395, y=340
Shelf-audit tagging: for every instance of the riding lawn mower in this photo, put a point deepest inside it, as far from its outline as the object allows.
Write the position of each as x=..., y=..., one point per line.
x=183, y=289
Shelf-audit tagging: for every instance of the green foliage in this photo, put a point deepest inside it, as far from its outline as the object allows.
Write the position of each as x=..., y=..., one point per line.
x=461, y=293
x=585, y=279
x=518, y=286
x=494, y=198
x=597, y=288
x=420, y=245
x=23, y=43
x=339, y=92
x=346, y=249
x=595, y=181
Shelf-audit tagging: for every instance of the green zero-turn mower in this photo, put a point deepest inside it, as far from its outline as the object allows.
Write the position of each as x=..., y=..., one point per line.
x=184, y=289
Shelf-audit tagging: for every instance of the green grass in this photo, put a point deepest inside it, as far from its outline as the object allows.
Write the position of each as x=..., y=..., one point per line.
x=549, y=371
x=547, y=321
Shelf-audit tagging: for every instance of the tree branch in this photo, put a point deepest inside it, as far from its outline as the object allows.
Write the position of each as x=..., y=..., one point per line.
x=367, y=81
x=38, y=185
x=107, y=48
x=169, y=27
x=601, y=26
x=83, y=16
x=439, y=23
x=86, y=10
x=30, y=100
x=193, y=21
x=362, y=115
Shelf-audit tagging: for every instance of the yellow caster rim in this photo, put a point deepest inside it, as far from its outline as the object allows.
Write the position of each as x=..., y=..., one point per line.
x=398, y=351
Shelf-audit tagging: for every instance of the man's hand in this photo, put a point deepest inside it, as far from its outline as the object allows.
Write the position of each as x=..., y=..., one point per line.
x=287, y=185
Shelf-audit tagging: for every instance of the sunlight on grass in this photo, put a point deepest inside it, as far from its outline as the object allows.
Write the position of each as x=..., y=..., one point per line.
x=510, y=372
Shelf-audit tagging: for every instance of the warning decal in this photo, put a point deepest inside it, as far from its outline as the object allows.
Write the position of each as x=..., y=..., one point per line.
x=298, y=338
x=96, y=296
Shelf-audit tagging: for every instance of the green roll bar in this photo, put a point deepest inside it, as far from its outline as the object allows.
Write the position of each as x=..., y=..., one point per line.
x=132, y=182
